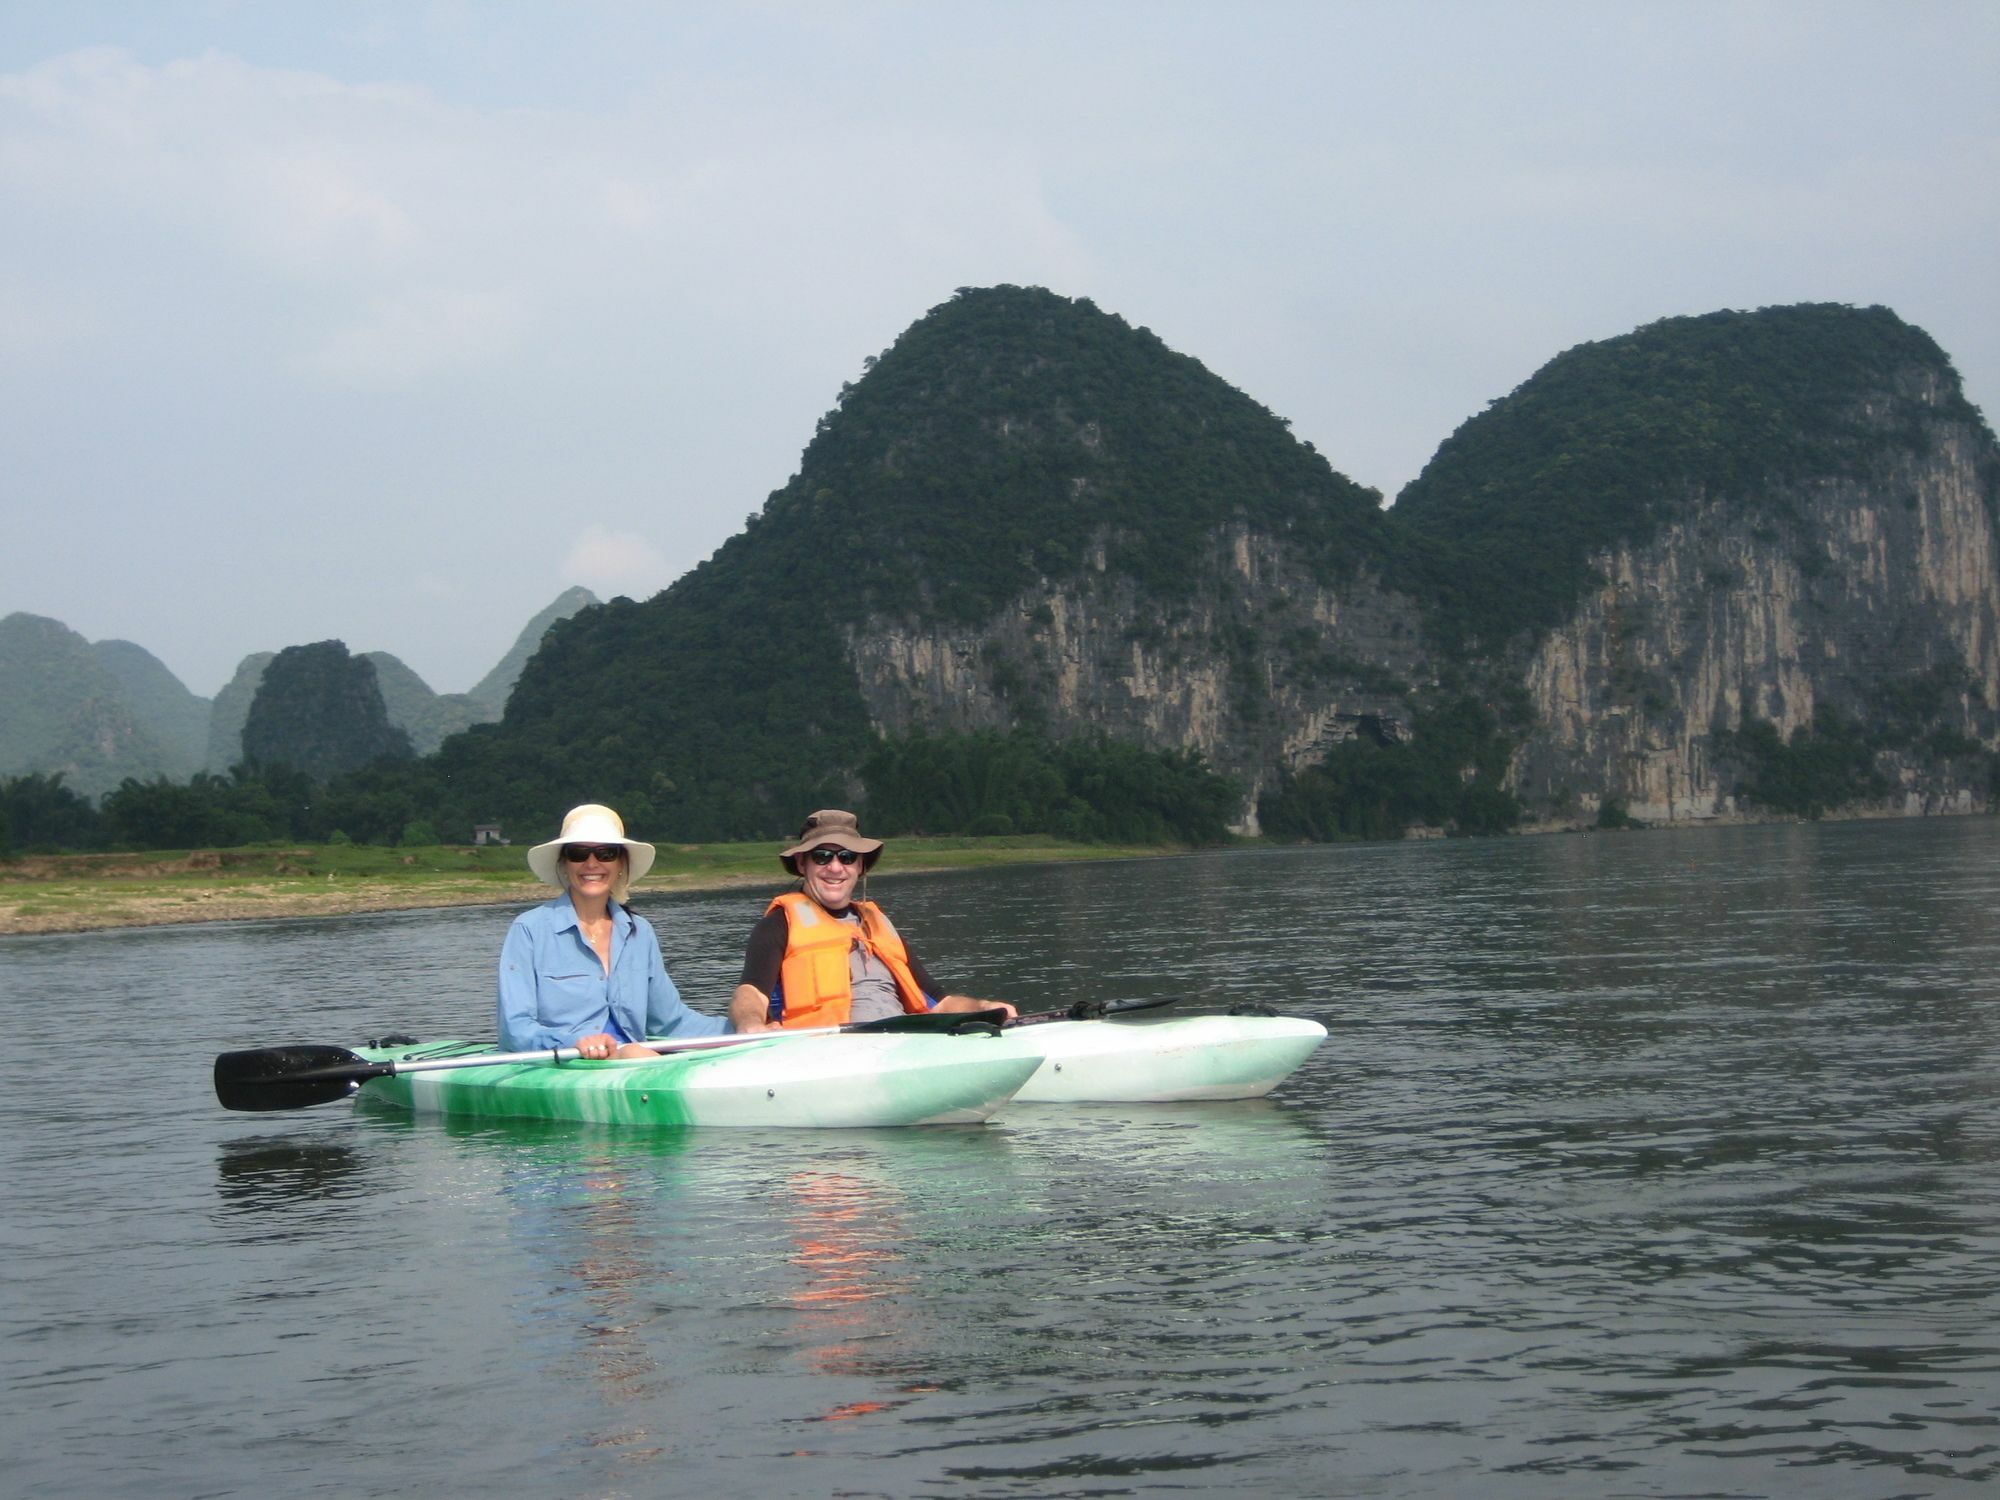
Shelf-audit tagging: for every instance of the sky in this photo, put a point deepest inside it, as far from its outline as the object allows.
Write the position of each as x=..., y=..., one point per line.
x=387, y=322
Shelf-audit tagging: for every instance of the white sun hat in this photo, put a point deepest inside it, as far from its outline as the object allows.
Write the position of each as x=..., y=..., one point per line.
x=592, y=823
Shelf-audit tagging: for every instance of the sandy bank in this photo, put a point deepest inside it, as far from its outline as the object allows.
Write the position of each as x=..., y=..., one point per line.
x=84, y=893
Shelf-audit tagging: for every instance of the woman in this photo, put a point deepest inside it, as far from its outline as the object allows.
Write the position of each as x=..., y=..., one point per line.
x=823, y=957
x=582, y=971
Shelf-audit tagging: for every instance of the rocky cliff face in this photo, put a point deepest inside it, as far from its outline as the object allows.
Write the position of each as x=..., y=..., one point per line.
x=1824, y=597
x=1262, y=668
x=1839, y=563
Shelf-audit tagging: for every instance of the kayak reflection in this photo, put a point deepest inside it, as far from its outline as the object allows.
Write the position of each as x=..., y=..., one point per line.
x=585, y=1210
x=612, y=1270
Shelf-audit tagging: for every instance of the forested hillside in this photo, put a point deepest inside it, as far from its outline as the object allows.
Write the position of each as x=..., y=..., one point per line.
x=1014, y=436
x=94, y=713
x=427, y=717
x=176, y=718
x=1744, y=564
x=1010, y=438
x=488, y=696
x=320, y=711
x=1610, y=440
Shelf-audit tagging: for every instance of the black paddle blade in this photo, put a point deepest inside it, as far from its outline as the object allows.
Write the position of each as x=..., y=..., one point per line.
x=944, y=1021
x=1093, y=1010
x=289, y=1077
x=1119, y=1007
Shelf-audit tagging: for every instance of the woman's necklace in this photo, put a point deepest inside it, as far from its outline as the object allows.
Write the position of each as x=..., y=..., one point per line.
x=596, y=930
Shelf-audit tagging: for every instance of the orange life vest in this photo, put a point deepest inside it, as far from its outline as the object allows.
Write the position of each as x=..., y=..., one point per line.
x=813, y=980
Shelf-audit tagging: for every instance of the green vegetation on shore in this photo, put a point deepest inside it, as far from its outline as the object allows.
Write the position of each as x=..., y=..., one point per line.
x=1082, y=790
x=74, y=892
x=1836, y=761
x=1451, y=775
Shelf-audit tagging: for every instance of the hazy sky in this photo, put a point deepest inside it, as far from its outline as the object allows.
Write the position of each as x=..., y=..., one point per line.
x=389, y=321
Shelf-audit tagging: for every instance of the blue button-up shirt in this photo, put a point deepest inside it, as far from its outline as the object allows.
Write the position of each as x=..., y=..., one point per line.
x=553, y=988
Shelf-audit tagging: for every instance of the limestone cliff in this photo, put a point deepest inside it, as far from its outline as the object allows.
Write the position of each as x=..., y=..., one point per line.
x=1782, y=518
x=1648, y=575
x=1723, y=533
x=1878, y=579
x=1025, y=513
x=1261, y=667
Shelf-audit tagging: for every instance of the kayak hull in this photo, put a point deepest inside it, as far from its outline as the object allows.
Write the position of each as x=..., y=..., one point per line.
x=828, y=1082
x=1189, y=1058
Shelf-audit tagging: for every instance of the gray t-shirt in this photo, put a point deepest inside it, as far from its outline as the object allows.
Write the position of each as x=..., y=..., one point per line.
x=874, y=986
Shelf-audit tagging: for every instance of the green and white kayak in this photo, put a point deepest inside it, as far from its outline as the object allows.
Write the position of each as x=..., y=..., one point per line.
x=1134, y=1061
x=816, y=1082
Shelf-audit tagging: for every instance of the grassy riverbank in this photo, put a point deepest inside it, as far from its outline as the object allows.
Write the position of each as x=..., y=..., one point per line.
x=81, y=892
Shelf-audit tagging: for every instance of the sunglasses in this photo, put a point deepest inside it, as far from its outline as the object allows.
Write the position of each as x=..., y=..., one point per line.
x=828, y=856
x=604, y=854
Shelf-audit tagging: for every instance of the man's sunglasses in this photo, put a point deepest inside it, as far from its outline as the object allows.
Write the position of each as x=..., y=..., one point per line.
x=828, y=856
x=604, y=854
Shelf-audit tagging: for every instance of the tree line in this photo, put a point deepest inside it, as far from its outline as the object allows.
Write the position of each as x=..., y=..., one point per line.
x=1091, y=790
x=1449, y=774
x=251, y=805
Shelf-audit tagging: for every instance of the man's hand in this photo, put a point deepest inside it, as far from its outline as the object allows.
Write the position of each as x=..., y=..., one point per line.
x=966, y=1002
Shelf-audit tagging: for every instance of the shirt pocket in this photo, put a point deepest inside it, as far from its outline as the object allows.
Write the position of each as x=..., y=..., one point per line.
x=568, y=995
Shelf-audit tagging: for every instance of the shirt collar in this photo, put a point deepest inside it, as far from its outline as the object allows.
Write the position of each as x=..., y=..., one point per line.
x=621, y=919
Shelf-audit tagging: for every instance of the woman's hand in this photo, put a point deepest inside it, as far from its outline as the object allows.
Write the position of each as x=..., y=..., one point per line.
x=597, y=1044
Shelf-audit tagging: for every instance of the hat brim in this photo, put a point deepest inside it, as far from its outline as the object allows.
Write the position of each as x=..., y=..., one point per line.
x=870, y=850
x=543, y=858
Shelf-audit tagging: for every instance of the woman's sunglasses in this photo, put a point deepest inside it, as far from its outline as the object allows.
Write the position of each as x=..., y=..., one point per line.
x=604, y=854
x=828, y=856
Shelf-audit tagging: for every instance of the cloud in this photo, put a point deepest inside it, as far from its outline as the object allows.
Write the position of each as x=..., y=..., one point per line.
x=370, y=301
x=402, y=338
x=609, y=563
x=401, y=240
x=307, y=318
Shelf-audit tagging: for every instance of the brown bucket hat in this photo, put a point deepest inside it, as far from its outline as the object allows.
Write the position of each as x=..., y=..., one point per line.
x=832, y=826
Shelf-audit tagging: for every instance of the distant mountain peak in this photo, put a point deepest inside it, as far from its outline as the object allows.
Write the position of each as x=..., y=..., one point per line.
x=97, y=713
x=491, y=691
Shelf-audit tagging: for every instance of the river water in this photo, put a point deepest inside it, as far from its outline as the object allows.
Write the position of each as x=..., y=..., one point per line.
x=1654, y=1164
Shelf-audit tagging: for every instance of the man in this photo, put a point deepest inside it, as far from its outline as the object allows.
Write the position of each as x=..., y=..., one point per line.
x=821, y=956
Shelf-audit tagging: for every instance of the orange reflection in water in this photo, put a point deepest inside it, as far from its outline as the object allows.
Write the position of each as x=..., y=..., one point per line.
x=849, y=1233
